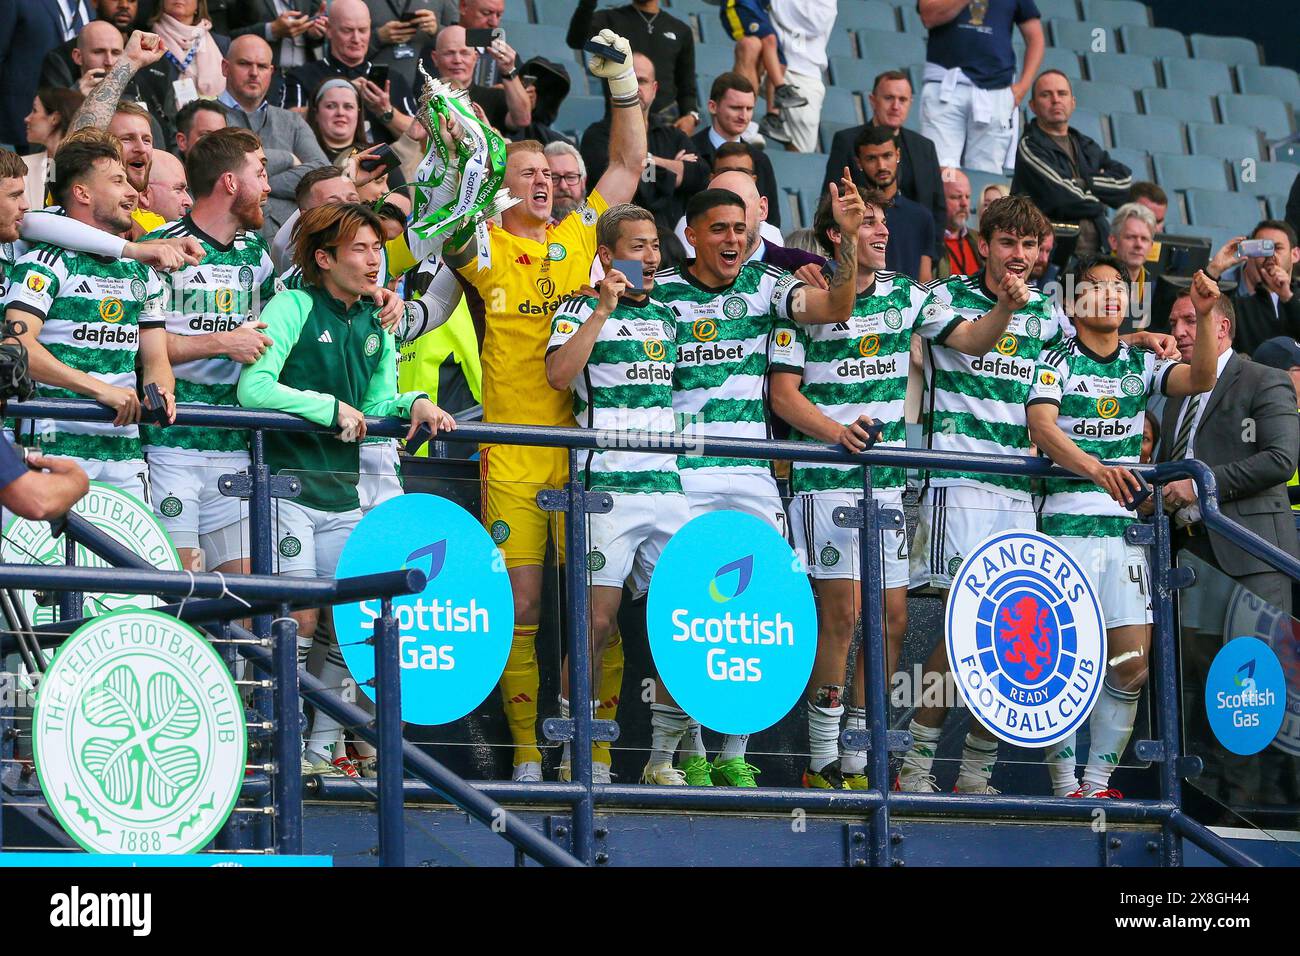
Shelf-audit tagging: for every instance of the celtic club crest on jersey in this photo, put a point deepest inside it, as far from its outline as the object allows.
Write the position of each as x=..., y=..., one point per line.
x=1026, y=638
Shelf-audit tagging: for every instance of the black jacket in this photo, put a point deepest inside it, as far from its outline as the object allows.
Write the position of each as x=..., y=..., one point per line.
x=151, y=86
x=662, y=194
x=919, y=178
x=1258, y=321
x=766, y=184
x=1045, y=174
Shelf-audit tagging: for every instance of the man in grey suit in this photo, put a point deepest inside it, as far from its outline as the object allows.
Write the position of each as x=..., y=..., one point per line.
x=1248, y=432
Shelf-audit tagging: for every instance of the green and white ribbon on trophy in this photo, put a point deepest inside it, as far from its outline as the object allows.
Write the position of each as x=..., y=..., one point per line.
x=456, y=194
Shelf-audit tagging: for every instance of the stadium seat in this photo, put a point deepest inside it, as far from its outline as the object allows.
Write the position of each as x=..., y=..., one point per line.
x=1231, y=50
x=865, y=15
x=1175, y=171
x=557, y=12
x=1175, y=218
x=1277, y=205
x=911, y=20
x=1179, y=105
x=1226, y=141
x=1196, y=76
x=1058, y=9
x=1135, y=159
x=1088, y=122
x=1266, y=178
x=1266, y=113
x=794, y=170
x=1082, y=37
x=579, y=112
x=889, y=51
x=1067, y=61
x=1213, y=207
x=1287, y=153
x=1152, y=41
x=841, y=106
x=1130, y=69
x=1271, y=80
x=851, y=73
x=1104, y=97
x=531, y=40
x=841, y=43
x=1115, y=12
x=828, y=128
x=1153, y=134
x=713, y=59
x=516, y=10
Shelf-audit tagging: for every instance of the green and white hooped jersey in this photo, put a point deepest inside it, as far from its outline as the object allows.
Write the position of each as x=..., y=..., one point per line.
x=1102, y=404
x=8, y=257
x=626, y=386
x=93, y=310
x=723, y=338
x=854, y=368
x=228, y=288
x=977, y=403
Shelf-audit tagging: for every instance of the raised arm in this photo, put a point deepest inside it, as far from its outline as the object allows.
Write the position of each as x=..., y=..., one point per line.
x=1032, y=31
x=566, y=362
x=142, y=49
x=1202, y=372
x=627, y=131
x=835, y=302
x=979, y=337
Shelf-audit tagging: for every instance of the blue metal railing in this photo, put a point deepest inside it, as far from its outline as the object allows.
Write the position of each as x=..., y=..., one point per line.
x=581, y=795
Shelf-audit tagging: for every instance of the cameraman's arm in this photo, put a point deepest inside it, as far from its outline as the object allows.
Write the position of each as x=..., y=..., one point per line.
x=40, y=495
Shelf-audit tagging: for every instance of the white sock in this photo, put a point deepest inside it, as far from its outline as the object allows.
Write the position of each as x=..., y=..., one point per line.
x=304, y=648
x=854, y=761
x=1110, y=727
x=734, y=746
x=978, y=757
x=1060, y=761
x=564, y=715
x=925, y=744
x=667, y=725
x=824, y=713
x=693, y=743
x=324, y=728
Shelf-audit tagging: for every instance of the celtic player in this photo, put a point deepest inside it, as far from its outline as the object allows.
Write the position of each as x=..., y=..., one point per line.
x=90, y=319
x=1086, y=407
x=727, y=310
x=212, y=332
x=331, y=362
x=831, y=382
x=617, y=353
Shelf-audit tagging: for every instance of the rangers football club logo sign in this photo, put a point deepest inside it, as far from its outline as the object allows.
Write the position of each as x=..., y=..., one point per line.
x=1026, y=638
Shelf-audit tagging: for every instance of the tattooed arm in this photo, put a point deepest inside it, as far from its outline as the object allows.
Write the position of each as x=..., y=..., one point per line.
x=835, y=302
x=142, y=49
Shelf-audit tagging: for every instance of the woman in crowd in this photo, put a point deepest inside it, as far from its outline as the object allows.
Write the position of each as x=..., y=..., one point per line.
x=194, y=52
x=47, y=124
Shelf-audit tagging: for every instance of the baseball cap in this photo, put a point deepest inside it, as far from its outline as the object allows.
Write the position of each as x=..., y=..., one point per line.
x=1281, y=352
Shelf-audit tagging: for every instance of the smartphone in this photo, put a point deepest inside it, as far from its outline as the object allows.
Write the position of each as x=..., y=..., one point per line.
x=873, y=431
x=1256, y=248
x=634, y=271
x=408, y=16
x=1139, y=496
x=378, y=74
x=610, y=53
x=384, y=157
x=480, y=38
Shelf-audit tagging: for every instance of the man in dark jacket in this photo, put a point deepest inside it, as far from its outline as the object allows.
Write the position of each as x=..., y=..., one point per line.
x=919, y=178
x=731, y=104
x=1268, y=296
x=1067, y=175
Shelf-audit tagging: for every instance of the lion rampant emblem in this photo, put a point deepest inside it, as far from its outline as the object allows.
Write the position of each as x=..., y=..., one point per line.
x=1025, y=630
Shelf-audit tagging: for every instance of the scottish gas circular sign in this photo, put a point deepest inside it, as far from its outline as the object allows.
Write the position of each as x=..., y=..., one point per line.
x=1245, y=695
x=138, y=736
x=732, y=623
x=455, y=634
x=1026, y=639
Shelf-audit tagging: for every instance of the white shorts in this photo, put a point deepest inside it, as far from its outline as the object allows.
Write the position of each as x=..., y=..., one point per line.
x=630, y=538
x=801, y=122
x=188, y=501
x=131, y=475
x=752, y=494
x=830, y=552
x=956, y=518
x=1118, y=571
x=309, y=541
x=959, y=139
x=379, y=479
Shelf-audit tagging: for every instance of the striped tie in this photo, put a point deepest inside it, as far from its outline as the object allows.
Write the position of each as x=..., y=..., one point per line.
x=1185, y=430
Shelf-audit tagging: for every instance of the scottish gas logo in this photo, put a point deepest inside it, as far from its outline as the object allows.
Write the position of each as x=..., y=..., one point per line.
x=455, y=634
x=1245, y=694
x=1026, y=638
x=731, y=621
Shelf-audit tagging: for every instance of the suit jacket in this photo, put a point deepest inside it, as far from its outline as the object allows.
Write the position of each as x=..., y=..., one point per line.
x=919, y=178
x=1252, y=475
x=762, y=167
x=253, y=16
x=28, y=31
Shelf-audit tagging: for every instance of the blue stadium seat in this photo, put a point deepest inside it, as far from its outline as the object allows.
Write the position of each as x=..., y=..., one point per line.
x=865, y=15
x=1115, y=12
x=557, y=12
x=1287, y=153
x=851, y=73
x=1130, y=69
x=1231, y=50
x=1058, y=9
x=1135, y=159
x=1277, y=205
x=1196, y=76
x=841, y=43
x=516, y=10
x=1266, y=113
x=913, y=121
x=1104, y=97
x=827, y=129
x=1175, y=171
x=1152, y=41
x=1224, y=140
x=1154, y=134
x=1067, y=61
x=579, y=112
x=534, y=39
x=1089, y=123
x=1179, y=105
x=1212, y=207
x=794, y=169
x=1082, y=37
x=841, y=106
x=712, y=59
x=1271, y=80
x=889, y=51
x=911, y=20
x=1269, y=178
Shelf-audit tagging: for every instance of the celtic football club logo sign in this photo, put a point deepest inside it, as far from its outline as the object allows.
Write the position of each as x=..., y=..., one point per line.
x=171, y=506
x=245, y=277
x=595, y=561
x=499, y=531
x=290, y=546
x=372, y=344
x=138, y=290
x=138, y=736
x=125, y=519
x=1033, y=327
x=893, y=319
x=733, y=308
x=1132, y=385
